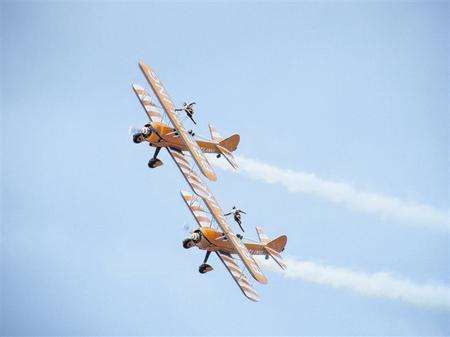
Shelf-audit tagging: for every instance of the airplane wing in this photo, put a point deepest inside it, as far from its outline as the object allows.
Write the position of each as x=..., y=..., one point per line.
x=238, y=276
x=150, y=108
x=242, y=251
x=194, y=205
x=188, y=173
x=167, y=104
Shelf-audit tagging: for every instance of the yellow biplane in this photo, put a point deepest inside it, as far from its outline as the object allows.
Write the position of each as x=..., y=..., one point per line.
x=159, y=134
x=224, y=241
x=212, y=240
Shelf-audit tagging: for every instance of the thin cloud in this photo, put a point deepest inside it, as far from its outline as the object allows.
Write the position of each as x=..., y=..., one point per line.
x=342, y=193
x=380, y=285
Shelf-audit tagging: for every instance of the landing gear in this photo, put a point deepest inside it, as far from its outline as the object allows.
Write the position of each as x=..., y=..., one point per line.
x=138, y=138
x=204, y=267
x=218, y=156
x=154, y=162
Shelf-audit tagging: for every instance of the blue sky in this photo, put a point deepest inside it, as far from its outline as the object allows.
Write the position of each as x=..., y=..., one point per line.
x=91, y=238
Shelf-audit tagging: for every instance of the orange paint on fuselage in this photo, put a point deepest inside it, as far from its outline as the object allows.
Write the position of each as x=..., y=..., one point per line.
x=214, y=240
x=170, y=138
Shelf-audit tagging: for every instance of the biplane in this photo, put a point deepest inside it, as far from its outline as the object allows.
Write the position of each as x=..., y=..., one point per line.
x=213, y=240
x=224, y=241
x=159, y=134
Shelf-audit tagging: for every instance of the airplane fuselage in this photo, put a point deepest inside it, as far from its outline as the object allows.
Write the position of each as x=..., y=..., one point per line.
x=213, y=240
x=166, y=136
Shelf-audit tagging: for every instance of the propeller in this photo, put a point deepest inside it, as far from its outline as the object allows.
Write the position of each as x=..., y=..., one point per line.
x=132, y=130
x=187, y=228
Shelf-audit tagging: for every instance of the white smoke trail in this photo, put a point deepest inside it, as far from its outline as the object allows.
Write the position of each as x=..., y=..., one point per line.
x=381, y=285
x=342, y=193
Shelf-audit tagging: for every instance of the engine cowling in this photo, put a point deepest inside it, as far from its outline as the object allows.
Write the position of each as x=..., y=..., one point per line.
x=192, y=240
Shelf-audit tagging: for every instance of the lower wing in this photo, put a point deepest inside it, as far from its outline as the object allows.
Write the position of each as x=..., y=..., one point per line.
x=238, y=276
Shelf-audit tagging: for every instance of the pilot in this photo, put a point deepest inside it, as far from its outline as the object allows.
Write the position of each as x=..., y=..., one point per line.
x=237, y=216
x=188, y=108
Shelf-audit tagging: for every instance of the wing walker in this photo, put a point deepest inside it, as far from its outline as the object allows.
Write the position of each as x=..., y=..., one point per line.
x=213, y=234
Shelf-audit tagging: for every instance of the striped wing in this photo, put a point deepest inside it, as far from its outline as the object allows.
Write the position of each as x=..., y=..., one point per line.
x=242, y=251
x=194, y=205
x=188, y=173
x=167, y=104
x=238, y=276
x=150, y=108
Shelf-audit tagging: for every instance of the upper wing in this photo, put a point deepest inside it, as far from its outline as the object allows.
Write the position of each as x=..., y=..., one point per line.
x=238, y=275
x=242, y=251
x=188, y=173
x=168, y=106
x=150, y=108
x=196, y=209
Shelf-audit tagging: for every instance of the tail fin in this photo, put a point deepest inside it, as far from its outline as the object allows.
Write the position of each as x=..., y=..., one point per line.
x=275, y=247
x=231, y=143
x=278, y=244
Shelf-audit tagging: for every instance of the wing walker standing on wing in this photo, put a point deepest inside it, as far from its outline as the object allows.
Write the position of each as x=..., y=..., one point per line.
x=188, y=108
x=222, y=240
x=237, y=216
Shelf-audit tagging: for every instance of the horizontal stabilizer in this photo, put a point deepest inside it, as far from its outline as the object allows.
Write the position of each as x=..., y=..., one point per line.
x=228, y=156
x=276, y=256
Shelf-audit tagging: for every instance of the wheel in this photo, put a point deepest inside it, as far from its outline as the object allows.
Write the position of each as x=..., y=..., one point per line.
x=188, y=243
x=138, y=138
x=204, y=268
x=154, y=163
x=218, y=156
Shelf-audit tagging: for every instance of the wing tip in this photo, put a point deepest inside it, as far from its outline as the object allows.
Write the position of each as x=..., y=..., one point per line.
x=137, y=87
x=210, y=175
